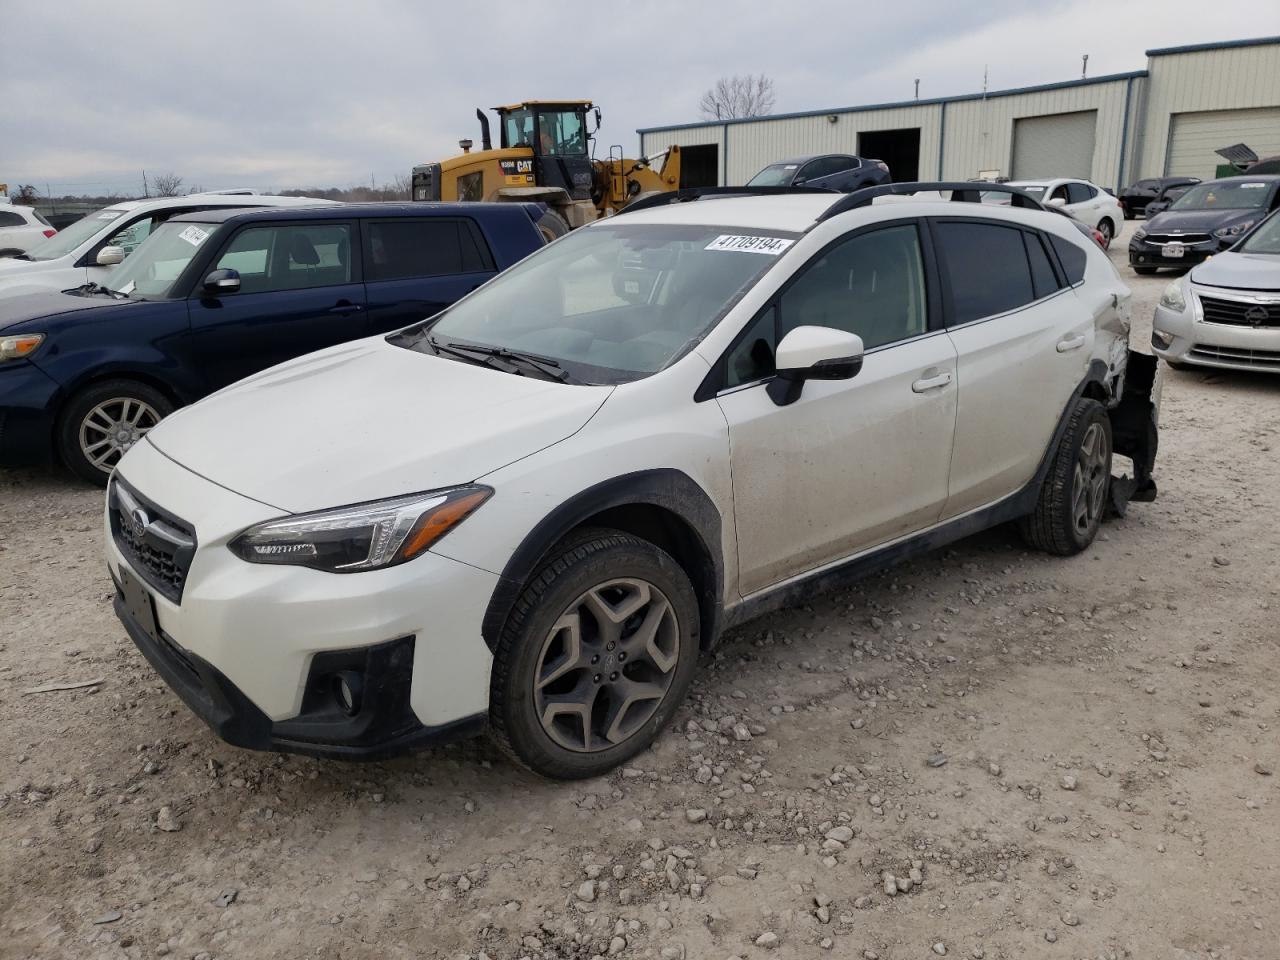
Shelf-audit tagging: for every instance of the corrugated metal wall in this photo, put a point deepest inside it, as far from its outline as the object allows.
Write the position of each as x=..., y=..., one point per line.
x=1194, y=138
x=1233, y=78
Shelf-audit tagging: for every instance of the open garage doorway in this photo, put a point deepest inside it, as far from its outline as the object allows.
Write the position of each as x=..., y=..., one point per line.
x=700, y=166
x=900, y=149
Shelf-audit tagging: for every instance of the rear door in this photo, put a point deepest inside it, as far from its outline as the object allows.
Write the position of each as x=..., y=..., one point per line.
x=1023, y=342
x=300, y=290
x=417, y=266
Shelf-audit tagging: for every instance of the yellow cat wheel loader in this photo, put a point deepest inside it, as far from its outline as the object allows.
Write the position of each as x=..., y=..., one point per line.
x=544, y=155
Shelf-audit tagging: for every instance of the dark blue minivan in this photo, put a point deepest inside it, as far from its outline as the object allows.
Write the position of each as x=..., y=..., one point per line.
x=212, y=297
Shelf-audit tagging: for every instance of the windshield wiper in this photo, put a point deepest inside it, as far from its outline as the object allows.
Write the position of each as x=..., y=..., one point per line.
x=544, y=365
x=449, y=350
x=22, y=256
x=98, y=289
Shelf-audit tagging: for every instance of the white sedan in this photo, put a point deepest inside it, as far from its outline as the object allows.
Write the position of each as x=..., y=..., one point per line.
x=1085, y=201
x=21, y=228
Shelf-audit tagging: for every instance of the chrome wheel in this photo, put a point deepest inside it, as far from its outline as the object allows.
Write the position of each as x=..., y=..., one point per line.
x=1104, y=228
x=1089, y=480
x=606, y=665
x=112, y=427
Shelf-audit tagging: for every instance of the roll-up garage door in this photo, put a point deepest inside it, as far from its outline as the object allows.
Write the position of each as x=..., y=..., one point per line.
x=1059, y=145
x=1194, y=136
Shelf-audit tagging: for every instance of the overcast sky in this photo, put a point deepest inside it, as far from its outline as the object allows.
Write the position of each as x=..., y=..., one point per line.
x=285, y=93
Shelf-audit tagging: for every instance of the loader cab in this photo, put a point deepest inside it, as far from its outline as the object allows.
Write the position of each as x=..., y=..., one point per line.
x=558, y=136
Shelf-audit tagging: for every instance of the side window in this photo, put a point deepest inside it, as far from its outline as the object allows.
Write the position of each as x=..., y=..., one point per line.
x=1080, y=192
x=129, y=237
x=1059, y=193
x=871, y=285
x=752, y=358
x=1073, y=259
x=986, y=267
x=8, y=219
x=293, y=257
x=399, y=249
x=1043, y=279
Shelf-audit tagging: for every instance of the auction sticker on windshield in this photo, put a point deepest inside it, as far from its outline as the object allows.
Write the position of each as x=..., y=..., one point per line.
x=194, y=235
x=770, y=246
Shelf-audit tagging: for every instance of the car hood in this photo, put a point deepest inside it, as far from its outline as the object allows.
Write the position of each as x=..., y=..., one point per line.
x=1198, y=221
x=368, y=420
x=41, y=304
x=1241, y=271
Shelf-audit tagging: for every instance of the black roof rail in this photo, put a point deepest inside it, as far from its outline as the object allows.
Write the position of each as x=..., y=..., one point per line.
x=689, y=194
x=966, y=191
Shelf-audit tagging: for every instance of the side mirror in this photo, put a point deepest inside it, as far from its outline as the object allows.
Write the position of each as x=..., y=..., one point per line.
x=222, y=281
x=799, y=182
x=813, y=353
x=1057, y=202
x=109, y=256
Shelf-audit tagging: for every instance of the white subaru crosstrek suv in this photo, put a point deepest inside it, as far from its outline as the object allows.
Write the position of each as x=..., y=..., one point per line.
x=532, y=512
x=85, y=251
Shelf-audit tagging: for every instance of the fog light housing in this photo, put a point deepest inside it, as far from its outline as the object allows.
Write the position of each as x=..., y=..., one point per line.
x=348, y=689
x=1161, y=339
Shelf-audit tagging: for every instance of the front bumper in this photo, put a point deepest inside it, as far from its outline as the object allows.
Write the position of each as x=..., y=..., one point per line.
x=254, y=649
x=1185, y=337
x=28, y=409
x=1145, y=254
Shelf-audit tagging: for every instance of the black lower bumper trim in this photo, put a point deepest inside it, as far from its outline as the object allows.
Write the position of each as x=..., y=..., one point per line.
x=383, y=726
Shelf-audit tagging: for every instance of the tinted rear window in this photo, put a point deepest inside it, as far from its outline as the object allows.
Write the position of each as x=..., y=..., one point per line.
x=1073, y=259
x=986, y=268
x=399, y=249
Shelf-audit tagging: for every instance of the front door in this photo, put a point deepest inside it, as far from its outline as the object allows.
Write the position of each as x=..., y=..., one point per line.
x=852, y=463
x=300, y=290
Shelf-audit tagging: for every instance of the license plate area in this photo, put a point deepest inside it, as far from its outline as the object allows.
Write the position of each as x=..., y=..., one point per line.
x=1173, y=250
x=139, y=604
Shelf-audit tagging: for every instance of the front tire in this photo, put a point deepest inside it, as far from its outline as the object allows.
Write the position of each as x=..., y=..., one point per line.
x=599, y=650
x=1073, y=496
x=1108, y=231
x=103, y=421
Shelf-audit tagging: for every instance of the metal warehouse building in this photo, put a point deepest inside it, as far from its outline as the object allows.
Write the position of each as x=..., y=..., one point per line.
x=1166, y=119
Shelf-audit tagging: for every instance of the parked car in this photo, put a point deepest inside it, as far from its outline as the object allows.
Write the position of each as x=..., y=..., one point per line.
x=1135, y=197
x=1164, y=199
x=212, y=297
x=1207, y=219
x=1226, y=311
x=1085, y=201
x=534, y=512
x=829, y=171
x=21, y=227
x=86, y=251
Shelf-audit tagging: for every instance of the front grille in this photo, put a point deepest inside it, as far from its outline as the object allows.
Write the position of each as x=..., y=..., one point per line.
x=1241, y=313
x=1258, y=359
x=1176, y=237
x=158, y=545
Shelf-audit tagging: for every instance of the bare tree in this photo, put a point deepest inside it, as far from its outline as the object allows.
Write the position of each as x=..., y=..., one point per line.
x=166, y=184
x=26, y=195
x=401, y=185
x=738, y=96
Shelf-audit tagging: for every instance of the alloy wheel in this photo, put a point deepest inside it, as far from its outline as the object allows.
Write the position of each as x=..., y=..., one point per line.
x=606, y=665
x=112, y=427
x=1089, y=480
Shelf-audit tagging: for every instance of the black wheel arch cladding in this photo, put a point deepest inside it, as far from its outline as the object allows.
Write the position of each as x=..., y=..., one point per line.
x=664, y=506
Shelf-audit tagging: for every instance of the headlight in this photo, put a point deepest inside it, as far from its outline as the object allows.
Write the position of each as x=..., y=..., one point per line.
x=1173, y=298
x=23, y=345
x=366, y=536
x=1235, y=229
x=1139, y=233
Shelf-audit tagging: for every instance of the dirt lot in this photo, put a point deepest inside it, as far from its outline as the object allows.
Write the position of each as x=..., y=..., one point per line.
x=1065, y=759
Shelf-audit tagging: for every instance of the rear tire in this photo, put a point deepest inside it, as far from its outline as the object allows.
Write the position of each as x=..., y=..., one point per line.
x=597, y=653
x=1108, y=231
x=552, y=226
x=1073, y=496
x=102, y=421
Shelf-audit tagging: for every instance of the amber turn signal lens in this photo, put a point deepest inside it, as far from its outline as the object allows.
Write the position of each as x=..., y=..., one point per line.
x=11, y=348
x=441, y=520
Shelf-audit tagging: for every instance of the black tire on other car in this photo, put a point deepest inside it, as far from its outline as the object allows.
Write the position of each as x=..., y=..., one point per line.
x=1108, y=231
x=596, y=655
x=552, y=226
x=1073, y=496
x=105, y=419
x=1144, y=271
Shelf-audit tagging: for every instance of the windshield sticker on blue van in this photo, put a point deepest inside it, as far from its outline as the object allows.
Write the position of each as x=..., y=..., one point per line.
x=770, y=246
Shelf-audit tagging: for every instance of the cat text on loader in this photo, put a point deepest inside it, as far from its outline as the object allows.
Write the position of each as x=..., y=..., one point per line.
x=544, y=155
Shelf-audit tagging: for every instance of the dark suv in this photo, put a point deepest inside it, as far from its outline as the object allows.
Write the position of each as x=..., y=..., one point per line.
x=212, y=297
x=828, y=171
x=1135, y=197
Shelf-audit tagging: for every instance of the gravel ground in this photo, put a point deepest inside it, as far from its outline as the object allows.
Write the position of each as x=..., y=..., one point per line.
x=985, y=753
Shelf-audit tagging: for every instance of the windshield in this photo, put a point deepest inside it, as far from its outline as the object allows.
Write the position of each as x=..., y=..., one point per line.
x=614, y=302
x=67, y=239
x=774, y=175
x=518, y=125
x=152, y=269
x=1228, y=195
x=561, y=133
x=1266, y=239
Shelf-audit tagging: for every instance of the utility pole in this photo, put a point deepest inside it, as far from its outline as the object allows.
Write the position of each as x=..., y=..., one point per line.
x=145, y=192
x=917, y=88
x=1084, y=66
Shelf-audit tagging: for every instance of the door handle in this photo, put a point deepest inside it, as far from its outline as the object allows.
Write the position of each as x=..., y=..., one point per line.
x=345, y=306
x=925, y=384
x=1070, y=343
